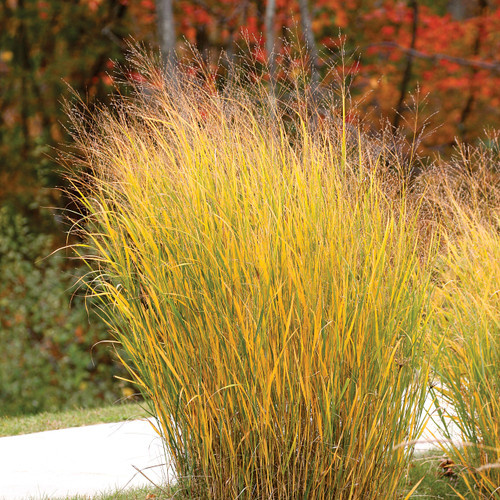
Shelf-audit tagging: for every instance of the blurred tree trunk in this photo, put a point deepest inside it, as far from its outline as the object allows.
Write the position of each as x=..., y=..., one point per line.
x=305, y=20
x=462, y=9
x=270, y=38
x=166, y=30
x=481, y=36
x=457, y=9
x=25, y=73
x=413, y=4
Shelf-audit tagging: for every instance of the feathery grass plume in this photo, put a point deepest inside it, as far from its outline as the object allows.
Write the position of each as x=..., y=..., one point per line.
x=468, y=333
x=269, y=295
x=469, y=180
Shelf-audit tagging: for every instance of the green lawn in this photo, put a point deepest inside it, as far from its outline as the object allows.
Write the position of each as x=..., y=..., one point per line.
x=435, y=485
x=13, y=426
x=146, y=493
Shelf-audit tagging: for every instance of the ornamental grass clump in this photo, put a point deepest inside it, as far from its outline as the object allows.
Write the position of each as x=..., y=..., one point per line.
x=269, y=294
x=468, y=333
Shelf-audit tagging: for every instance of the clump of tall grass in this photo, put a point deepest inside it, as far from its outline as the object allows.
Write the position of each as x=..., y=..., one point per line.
x=469, y=179
x=468, y=332
x=270, y=297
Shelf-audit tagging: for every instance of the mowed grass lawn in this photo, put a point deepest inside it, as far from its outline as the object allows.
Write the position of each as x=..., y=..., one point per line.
x=14, y=426
x=146, y=493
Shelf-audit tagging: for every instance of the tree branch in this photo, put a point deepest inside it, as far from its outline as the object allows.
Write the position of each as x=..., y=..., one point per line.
x=490, y=66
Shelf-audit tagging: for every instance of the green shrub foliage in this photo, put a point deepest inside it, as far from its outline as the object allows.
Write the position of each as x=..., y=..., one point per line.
x=47, y=360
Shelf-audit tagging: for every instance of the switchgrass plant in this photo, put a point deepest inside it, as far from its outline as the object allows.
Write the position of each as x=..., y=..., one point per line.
x=468, y=333
x=268, y=293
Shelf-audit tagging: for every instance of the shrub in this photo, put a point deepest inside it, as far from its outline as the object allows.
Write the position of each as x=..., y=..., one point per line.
x=269, y=295
x=46, y=361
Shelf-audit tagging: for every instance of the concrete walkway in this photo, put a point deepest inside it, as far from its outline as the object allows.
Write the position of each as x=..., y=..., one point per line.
x=96, y=459
x=81, y=460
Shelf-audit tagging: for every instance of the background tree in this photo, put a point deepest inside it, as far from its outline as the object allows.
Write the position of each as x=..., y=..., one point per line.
x=270, y=37
x=166, y=29
x=306, y=23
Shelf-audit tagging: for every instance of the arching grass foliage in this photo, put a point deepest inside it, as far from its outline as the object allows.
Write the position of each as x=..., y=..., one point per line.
x=268, y=289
